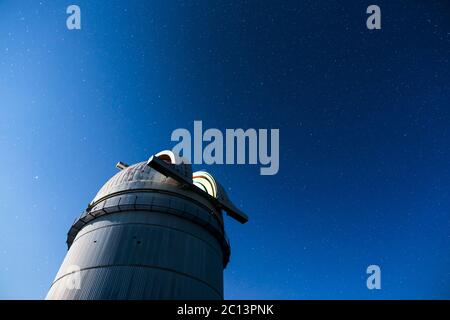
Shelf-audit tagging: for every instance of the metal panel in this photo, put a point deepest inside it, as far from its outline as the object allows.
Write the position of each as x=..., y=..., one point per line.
x=133, y=283
x=153, y=246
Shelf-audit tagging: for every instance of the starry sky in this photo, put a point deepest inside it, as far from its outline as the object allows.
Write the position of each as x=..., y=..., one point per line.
x=364, y=133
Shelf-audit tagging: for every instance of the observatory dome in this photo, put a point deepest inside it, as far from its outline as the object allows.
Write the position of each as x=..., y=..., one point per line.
x=153, y=231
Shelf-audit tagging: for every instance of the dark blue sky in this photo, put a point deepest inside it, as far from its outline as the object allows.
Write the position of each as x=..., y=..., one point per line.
x=364, y=133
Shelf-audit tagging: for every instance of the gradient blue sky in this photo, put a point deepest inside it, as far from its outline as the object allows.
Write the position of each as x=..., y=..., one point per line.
x=363, y=116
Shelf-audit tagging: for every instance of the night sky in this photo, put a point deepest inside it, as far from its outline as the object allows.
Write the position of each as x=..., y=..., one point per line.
x=363, y=115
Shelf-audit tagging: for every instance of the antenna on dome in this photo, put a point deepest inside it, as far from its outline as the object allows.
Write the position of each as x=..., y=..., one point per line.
x=120, y=165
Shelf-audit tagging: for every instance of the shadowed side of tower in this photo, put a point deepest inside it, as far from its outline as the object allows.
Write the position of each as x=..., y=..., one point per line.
x=146, y=236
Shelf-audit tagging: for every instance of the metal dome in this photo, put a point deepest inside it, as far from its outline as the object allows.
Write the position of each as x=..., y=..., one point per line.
x=138, y=176
x=150, y=234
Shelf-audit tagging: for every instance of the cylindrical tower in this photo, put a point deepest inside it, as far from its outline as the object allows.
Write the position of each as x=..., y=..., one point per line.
x=147, y=236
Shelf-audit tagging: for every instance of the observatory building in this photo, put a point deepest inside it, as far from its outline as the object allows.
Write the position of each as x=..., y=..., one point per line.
x=154, y=231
